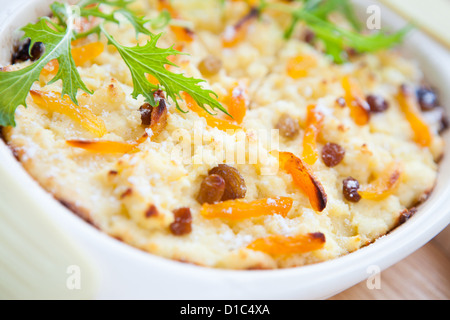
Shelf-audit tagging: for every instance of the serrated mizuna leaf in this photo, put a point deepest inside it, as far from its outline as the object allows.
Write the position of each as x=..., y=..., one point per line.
x=149, y=59
x=15, y=85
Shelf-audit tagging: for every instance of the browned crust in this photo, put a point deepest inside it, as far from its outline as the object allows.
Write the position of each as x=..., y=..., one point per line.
x=81, y=212
x=152, y=211
x=253, y=14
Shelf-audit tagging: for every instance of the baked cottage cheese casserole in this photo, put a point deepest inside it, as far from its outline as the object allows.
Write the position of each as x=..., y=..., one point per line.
x=228, y=134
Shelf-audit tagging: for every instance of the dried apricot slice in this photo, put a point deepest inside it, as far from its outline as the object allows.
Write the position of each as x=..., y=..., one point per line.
x=52, y=102
x=181, y=33
x=81, y=55
x=278, y=245
x=314, y=122
x=237, y=102
x=237, y=210
x=105, y=146
x=409, y=107
x=210, y=119
x=354, y=98
x=304, y=179
x=87, y=52
x=299, y=66
x=384, y=185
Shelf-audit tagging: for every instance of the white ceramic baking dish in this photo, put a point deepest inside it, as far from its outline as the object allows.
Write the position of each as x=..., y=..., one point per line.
x=48, y=252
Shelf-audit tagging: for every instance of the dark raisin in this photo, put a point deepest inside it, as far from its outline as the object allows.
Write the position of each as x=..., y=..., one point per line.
x=332, y=154
x=155, y=117
x=210, y=66
x=351, y=52
x=288, y=127
x=183, y=222
x=211, y=189
x=146, y=114
x=350, y=189
x=309, y=36
x=23, y=52
x=235, y=187
x=377, y=103
x=427, y=98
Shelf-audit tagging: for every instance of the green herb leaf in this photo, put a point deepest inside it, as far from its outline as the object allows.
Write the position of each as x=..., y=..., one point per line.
x=15, y=85
x=141, y=60
x=349, y=39
x=149, y=59
x=137, y=22
x=314, y=13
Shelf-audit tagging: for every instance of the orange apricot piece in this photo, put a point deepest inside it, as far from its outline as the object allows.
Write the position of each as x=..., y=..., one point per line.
x=237, y=210
x=277, y=245
x=409, y=107
x=210, y=119
x=304, y=179
x=314, y=122
x=237, y=103
x=299, y=66
x=52, y=102
x=354, y=98
x=105, y=146
x=384, y=185
x=81, y=55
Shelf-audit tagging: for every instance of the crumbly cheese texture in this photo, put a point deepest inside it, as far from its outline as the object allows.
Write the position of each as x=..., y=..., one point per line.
x=115, y=191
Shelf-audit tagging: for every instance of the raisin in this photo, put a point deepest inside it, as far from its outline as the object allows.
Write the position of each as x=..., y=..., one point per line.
x=211, y=189
x=288, y=127
x=350, y=189
x=332, y=154
x=23, y=52
x=155, y=117
x=309, y=36
x=146, y=114
x=235, y=187
x=377, y=103
x=210, y=66
x=183, y=222
x=427, y=99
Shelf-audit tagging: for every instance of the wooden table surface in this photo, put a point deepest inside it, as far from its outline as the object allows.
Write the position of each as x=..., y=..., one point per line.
x=424, y=275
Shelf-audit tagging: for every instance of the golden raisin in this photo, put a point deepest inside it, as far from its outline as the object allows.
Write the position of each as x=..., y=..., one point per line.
x=288, y=127
x=183, y=222
x=211, y=189
x=210, y=66
x=235, y=187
